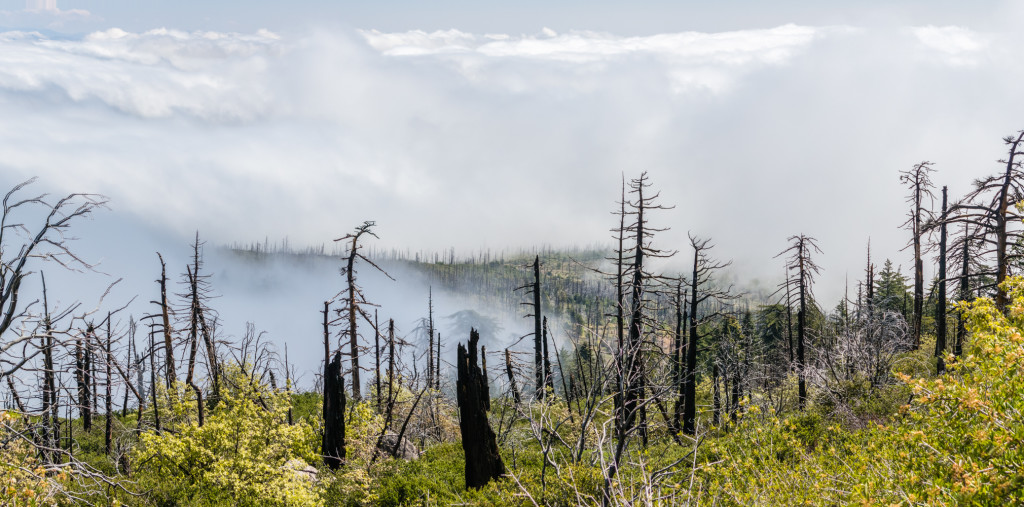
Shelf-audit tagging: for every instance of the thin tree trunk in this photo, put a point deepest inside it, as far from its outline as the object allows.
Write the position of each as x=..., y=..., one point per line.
x=165, y=314
x=801, y=321
x=940, y=303
x=108, y=431
x=376, y=358
x=511, y=378
x=538, y=336
x=690, y=380
x=965, y=294
x=152, y=378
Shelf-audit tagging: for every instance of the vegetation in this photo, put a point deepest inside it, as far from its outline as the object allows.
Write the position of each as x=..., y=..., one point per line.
x=668, y=388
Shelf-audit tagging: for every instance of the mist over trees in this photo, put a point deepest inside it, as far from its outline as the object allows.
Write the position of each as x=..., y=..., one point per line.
x=635, y=384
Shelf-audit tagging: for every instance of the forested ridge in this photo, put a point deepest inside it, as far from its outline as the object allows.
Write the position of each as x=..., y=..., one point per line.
x=633, y=386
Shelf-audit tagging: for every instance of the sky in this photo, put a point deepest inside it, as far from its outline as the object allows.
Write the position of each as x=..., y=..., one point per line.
x=502, y=124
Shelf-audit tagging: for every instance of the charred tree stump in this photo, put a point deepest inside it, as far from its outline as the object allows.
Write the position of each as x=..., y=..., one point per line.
x=483, y=463
x=334, y=413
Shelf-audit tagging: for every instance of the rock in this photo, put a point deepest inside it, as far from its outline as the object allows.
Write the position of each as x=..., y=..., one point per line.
x=301, y=469
x=405, y=450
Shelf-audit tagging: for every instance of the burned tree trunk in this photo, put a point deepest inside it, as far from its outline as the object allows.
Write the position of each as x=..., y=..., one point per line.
x=430, y=337
x=108, y=430
x=799, y=260
x=801, y=324
x=538, y=337
x=677, y=355
x=51, y=433
x=549, y=379
x=511, y=378
x=391, y=368
x=483, y=463
x=376, y=359
x=354, y=298
x=965, y=294
x=152, y=380
x=437, y=366
x=334, y=413
x=920, y=188
x=940, y=303
x=165, y=315
x=193, y=340
x=716, y=417
x=82, y=378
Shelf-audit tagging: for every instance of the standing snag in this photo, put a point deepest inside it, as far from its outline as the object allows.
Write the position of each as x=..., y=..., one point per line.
x=799, y=260
x=353, y=299
x=334, y=413
x=483, y=463
x=920, y=188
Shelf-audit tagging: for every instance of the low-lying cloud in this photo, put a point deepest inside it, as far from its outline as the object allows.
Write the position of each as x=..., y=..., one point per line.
x=474, y=140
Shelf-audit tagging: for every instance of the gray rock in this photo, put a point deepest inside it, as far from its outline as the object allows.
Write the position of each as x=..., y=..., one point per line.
x=405, y=450
x=301, y=469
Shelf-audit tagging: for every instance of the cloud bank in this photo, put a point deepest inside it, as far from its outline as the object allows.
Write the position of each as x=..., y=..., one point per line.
x=472, y=140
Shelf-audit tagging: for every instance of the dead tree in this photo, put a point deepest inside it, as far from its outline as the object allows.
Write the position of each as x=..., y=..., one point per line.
x=82, y=377
x=964, y=295
x=152, y=377
x=200, y=314
x=193, y=342
x=799, y=259
x=430, y=337
x=990, y=210
x=940, y=300
x=483, y=463
x=334, y=413
x=391, y=369
x=51, y=430
x=533, y=292
x=919, y=182
x=23, y=246
x=376, y=359
x=166, y=321
x=642, y=287
x=702, y=290
x=437, y=365
x=549, y=379
x=354, y=300
x=678, y=351
x=108, y=428
x=512, y=378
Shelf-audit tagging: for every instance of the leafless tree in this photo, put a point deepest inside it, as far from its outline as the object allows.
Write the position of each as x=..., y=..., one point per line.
x=353, y=301
x=703, y=291
x=798, y=258
x=23, y=246
x=918, y=180
x=993, y=220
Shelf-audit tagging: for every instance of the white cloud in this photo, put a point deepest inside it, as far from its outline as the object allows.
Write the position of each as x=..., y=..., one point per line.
x=45, y=13
x=454, y=138
x=153, y=74
x=957, y=45
x=692, y=59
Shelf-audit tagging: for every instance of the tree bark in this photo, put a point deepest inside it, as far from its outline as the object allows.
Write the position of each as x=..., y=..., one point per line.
x=538, y=336
x=940, y=303
x=483, y=463
x=334, y=414
x=511, y=378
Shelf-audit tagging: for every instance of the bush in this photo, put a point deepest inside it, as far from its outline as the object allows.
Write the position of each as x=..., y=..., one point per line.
x=238, y=456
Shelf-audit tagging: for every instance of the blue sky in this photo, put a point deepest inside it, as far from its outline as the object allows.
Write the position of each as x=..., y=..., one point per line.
x=499, y=124
x=632, y=18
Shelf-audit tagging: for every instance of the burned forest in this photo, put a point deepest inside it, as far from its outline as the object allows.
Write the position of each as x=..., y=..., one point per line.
x=636, y=371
